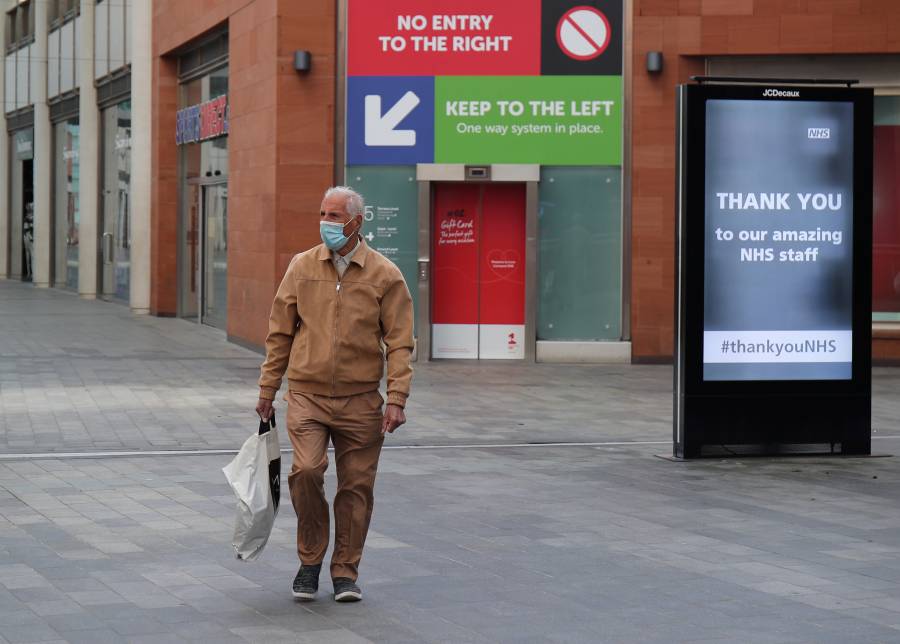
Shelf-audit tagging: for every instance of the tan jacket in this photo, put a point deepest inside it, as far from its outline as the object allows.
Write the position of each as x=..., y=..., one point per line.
x=328, y=332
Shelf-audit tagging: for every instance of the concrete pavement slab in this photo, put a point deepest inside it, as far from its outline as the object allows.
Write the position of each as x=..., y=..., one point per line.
x=467, y=586
x=487, y=543
x=87, y=376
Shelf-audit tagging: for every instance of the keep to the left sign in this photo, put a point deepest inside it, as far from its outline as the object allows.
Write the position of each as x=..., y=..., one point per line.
x=390, y=119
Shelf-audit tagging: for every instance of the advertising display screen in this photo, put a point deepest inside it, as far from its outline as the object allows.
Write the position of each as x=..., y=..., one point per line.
x=778, y=280
x=773, y=264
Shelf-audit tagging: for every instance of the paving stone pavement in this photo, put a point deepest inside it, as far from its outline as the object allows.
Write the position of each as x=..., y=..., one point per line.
x=537, y=544
x=78, y=376
x=468, y=544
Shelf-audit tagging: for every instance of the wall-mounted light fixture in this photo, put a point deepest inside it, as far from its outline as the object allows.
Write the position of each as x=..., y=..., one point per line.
x=654, y=62
x=302, y=60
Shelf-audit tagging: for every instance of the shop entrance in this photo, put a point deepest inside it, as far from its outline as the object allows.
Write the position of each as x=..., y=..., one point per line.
x=116, y=243
x=116, y=202
x=478, y=271
x=205, y=287
x=27, y=220
x=21, y=206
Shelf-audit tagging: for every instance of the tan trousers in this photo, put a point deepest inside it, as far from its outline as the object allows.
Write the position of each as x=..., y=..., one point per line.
x=354, y=425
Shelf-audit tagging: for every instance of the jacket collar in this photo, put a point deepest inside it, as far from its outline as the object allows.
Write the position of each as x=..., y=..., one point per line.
x=359, y=257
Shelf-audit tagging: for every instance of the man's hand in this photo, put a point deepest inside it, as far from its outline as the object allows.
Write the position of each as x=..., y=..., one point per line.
x=264, y=409
x=393, y=418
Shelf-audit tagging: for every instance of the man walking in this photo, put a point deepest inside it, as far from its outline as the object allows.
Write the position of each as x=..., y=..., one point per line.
x=342, y=309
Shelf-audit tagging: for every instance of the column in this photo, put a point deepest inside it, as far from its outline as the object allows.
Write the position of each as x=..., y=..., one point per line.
x=4, y=164
x=43, y=150
x=89, y=157
x=141, y=16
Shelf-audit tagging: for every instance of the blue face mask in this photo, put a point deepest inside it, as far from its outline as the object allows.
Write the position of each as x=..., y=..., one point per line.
x=333, y=234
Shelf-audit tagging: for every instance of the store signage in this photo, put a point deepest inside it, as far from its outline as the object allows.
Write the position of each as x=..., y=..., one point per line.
x=775, y=267
x=457, y=81
x=203, y=121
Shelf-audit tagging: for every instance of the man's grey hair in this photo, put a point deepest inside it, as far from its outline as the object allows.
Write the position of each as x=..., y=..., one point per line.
x=355, y=203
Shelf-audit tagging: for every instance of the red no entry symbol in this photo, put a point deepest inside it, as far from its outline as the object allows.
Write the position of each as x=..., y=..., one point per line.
x=583, y=33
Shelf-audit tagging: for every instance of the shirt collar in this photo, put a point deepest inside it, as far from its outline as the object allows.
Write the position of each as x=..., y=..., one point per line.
x=349, y=256
x=357, y=255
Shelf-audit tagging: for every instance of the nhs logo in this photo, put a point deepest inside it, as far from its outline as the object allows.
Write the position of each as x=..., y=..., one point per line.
x=818, y=133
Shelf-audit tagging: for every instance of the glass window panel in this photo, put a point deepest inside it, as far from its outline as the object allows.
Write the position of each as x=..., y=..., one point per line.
x=34, y=72
x=189, y=246
x=123, y=200
x=22, y=77
x=214, y=157
x=29, y=8
x=53, y=63
x=101, y=40
x=10, y=76
x=66, y=212
x=108, y=196
x=214, y=153
x=116, y=198
x=580, y=216
x=72, y=210
x=67, y=57
x=116, y=35
x=128, y=32
x=76, y=51
x=60, y=215
x=218, y=83
x=215, y=255
x=21, y=23
x=53, y=11
x=204, y=212
x=191, y=93
x=886, y=212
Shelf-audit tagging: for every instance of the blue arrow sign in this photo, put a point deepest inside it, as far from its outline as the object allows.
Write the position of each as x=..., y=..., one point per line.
x=390, y=120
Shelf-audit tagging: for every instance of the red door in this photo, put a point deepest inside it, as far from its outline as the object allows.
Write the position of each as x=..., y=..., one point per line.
x=886, y=224
x=478, y=271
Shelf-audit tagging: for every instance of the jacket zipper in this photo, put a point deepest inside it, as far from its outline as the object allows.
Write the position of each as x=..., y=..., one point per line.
x=334, y=335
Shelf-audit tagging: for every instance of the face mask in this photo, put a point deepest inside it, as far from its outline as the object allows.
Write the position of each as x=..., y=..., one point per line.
x=333, y=235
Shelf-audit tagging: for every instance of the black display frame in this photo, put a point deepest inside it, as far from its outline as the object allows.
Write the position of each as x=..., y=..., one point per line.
x=766, y=416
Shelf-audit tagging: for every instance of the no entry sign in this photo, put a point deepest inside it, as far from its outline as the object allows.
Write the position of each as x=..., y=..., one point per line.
x=484, y=81
x=583, y=33
x=581, y=38
x=484, y=38
x=443, y=38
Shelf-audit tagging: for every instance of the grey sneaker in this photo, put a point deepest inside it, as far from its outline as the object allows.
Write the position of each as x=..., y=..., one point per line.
x=345, y=590
x=306, y=583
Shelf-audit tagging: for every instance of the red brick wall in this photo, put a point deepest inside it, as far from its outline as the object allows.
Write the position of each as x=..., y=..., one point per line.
x=164, y=190
x=280, y=145
x=686, y=31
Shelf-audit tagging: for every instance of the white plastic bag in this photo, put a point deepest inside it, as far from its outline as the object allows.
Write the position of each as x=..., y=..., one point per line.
x=255, y=477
